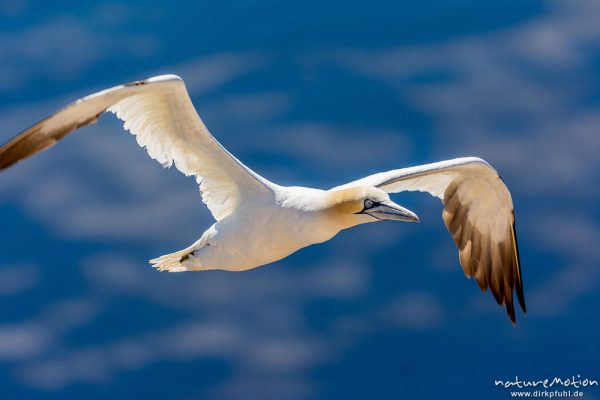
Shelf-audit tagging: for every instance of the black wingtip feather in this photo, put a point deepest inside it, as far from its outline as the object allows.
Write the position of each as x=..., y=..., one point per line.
x=519, y=281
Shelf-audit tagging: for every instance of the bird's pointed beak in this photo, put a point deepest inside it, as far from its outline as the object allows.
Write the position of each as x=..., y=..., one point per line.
x=391, y=210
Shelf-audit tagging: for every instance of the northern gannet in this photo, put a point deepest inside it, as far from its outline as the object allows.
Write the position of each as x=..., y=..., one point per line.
x=259, y=222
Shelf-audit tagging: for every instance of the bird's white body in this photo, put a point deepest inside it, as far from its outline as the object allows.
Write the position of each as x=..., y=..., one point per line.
x=264, y=231
x=258, y=222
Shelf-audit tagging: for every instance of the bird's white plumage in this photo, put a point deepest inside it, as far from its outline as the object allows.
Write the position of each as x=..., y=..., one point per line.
x=166, y=124
x=258, y=222
x=432, y=178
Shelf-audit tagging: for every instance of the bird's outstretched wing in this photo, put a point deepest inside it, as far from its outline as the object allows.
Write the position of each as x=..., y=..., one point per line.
x=159, y=112
x=478, y=212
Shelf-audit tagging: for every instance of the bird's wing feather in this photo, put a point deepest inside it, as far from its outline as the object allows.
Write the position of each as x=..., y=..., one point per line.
x=159, y=112
x=478, y=212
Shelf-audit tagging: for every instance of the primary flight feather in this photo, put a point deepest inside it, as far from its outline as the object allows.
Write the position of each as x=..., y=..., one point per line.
x=259, y=222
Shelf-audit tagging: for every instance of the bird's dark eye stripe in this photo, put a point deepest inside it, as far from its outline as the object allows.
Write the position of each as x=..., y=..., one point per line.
x=370, y=203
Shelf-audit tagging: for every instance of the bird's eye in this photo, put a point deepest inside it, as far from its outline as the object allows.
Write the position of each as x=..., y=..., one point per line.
x=369, y=203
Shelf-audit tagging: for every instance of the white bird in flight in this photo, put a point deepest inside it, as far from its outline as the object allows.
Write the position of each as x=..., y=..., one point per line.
x=259, y=222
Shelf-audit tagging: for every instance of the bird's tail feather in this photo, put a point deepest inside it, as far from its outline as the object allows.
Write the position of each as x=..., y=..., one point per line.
x=171, y=262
